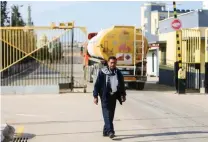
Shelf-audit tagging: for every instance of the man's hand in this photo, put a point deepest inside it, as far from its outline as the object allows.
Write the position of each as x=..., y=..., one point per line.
x=96, y=101
x=123, y=98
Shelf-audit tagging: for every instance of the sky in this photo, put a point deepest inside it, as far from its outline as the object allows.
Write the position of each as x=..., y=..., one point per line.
x=93, y=15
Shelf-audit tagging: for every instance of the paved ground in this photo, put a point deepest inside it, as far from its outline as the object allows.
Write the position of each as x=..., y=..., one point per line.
x=147, y=116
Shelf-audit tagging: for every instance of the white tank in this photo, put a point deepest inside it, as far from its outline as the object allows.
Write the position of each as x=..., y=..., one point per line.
x=92, y=42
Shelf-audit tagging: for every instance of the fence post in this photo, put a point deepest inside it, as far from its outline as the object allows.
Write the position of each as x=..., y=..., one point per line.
x=178, y=64
x=72, y=59
x=206, y=61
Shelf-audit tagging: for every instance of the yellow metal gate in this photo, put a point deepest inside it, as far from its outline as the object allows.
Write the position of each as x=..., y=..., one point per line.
x=42, y=56
x=191, y=49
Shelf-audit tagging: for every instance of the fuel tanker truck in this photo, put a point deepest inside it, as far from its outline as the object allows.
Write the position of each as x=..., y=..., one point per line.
x=127, y=44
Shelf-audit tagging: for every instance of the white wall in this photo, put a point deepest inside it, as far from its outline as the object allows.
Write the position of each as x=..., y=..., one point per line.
x=205, y=4
x=150, y=62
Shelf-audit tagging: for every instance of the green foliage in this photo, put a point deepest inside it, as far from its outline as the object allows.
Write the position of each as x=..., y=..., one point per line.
x=42, y=54
x=16, y=17
x=4, y=14
x=55, y=48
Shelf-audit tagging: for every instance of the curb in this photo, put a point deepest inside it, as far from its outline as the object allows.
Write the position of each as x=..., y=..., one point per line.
x=7, y=133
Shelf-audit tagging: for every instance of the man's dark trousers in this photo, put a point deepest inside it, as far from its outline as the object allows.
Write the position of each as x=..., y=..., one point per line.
x=108, y=109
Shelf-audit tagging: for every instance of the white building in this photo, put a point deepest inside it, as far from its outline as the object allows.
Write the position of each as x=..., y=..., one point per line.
x=151, y=14
x=205, y=4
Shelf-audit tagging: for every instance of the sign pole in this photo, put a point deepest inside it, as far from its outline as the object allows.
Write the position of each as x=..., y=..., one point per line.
x=179, y=71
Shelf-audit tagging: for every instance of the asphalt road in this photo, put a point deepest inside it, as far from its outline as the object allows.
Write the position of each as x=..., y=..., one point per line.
x=153, y=115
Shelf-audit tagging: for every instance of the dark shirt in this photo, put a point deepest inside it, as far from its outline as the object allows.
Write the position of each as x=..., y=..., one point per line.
x=103, y=90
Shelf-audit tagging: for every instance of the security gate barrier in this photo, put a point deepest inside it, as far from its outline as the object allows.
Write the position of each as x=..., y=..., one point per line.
x=191, y=57
x=42, y=56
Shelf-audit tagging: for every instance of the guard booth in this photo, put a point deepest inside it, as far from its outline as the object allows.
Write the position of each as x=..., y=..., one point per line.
x=195, y=59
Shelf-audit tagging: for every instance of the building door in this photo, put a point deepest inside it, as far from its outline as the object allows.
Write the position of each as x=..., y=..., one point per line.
x=155, y=68
x=152, y=63
x=149, y=62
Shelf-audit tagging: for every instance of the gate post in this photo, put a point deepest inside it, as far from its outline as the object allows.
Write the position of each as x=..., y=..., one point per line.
x=201, y=59
x=206, y=61
x=178, y=63
x=72, y=58
x=180, y=72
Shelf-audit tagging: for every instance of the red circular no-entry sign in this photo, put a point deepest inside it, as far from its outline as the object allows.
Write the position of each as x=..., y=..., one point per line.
x=176, y=24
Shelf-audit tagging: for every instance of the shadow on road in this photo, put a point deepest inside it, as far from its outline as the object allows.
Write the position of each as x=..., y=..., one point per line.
x=159, y=134
x=31, y=68
x=163, y=88
x=157, y=87
x=94, y=121
x=127, y=137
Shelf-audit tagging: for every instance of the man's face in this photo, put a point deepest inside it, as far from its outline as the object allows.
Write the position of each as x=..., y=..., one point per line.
x=112, y=63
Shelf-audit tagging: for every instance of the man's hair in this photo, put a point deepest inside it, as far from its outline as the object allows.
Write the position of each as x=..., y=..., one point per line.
x=112, y=58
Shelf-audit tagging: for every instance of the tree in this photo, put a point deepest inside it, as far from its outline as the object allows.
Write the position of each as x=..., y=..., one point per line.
x=16, y=17
x=4, y=14
x=55, y=49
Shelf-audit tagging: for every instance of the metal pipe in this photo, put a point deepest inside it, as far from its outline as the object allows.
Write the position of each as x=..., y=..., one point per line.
x=143, y=49
x=135, y=41
x=72, y=62
x=206, y=45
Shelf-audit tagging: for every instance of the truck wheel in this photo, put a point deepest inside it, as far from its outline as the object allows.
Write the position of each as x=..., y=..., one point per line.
x=140, y=85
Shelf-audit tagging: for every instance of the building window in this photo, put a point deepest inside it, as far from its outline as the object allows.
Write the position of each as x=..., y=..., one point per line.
x=146, y=14
x=163, y=56
x=162, y=18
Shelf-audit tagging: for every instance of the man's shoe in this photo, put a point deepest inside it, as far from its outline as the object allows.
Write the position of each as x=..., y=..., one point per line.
x=111, y=135
x=105, y=134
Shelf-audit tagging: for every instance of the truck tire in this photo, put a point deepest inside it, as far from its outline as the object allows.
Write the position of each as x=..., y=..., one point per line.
x=140, y=85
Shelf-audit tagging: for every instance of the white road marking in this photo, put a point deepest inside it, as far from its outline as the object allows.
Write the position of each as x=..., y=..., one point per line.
x=29, y=115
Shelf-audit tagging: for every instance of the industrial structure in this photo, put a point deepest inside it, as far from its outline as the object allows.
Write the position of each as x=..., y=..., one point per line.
x=163, y=46
x=151, y=14
x=24, y=48
x=193, y=47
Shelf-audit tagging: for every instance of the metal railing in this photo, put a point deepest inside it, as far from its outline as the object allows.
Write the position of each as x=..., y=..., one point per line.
x=42, y=56
x=191, y=45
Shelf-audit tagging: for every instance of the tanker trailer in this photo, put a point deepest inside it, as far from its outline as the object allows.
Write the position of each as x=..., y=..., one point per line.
x=127, y=44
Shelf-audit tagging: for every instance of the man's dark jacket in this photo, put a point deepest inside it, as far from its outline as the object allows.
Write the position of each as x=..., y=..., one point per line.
x=101, y=89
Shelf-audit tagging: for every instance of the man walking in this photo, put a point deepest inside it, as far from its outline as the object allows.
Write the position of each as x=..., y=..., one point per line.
x=110, y=87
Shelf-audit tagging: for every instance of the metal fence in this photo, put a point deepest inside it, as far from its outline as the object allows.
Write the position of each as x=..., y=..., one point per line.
x=42, y=56
x=191, y=52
